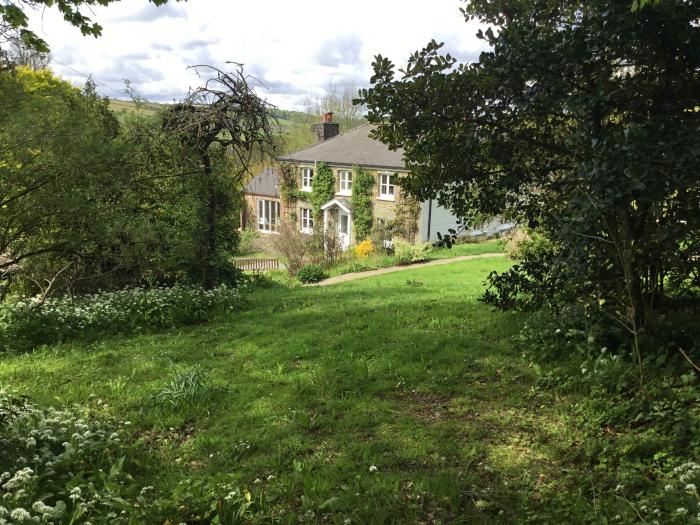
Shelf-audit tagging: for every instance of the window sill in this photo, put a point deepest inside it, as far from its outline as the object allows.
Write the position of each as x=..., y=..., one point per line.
x=344, y=193
x=307, y=189
x=307, y=231
x=268, y=232
x=388, y=198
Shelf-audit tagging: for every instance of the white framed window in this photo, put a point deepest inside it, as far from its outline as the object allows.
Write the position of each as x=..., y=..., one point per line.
x=268, y=215
x=307, y=220
x=386, y=186
x=307, y=178
x=345, y=182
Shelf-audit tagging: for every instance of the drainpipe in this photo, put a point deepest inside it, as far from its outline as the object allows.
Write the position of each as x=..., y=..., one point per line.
x=430, y=217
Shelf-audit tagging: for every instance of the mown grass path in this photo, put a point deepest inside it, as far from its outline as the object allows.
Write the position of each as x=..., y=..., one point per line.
x=392, y=400
x=381, y=271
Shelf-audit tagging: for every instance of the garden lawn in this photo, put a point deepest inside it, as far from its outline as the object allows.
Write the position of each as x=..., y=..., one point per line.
x=398, y=398
x=375, y=262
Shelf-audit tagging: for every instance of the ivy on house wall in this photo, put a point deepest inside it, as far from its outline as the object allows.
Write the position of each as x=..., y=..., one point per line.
x=289, y=189
x=322, y=190
x=362, y=183
x=405, y=224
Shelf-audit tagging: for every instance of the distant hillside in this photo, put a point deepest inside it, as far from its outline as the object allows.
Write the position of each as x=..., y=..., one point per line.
x=129, y=106
x=294, y=126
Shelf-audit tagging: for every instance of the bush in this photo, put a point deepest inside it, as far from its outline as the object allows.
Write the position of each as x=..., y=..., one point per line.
x=187, y=388
x=73, y=465
x=293, y=246
x=365, y=248
x=58, y=466
x=247, y=241
x=407, y=253
x=28, y=323
x=311, y=273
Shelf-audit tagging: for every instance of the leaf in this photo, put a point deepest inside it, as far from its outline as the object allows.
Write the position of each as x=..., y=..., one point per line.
x=328, y=503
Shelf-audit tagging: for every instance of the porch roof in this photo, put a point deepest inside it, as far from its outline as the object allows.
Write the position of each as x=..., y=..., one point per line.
x=343, y=204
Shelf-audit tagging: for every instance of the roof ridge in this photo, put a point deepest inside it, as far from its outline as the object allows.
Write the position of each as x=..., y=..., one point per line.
x=325, y=141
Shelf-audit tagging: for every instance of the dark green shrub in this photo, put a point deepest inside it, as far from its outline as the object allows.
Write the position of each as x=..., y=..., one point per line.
x=311, y=273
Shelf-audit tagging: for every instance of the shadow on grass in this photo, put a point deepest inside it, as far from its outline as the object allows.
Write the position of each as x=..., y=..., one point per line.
x=393, y=402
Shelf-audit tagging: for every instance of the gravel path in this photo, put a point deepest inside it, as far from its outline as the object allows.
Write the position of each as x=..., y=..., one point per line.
x=391, y=269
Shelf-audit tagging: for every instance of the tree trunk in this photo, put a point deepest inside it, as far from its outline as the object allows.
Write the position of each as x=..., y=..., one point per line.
x=626, y=248
x=209, y=277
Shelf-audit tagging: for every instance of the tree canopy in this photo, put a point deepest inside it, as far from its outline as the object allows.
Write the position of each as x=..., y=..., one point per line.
x=14, y=19
x=580, y=120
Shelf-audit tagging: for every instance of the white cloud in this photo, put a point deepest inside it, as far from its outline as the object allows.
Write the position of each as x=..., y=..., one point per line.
x=294, y=48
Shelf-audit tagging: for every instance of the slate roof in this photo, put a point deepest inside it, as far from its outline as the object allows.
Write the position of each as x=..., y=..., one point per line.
x=266, y=183
x=350, y=148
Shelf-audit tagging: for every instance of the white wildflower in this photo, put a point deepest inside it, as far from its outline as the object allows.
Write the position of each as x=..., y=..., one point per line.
x=373, y=469
x=20, y=514
x=75, y=494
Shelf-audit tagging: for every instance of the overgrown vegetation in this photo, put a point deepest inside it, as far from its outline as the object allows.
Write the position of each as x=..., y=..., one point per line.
x=509, y=418
x=31, y=322
x=89, y=202
x=322, y=190
x=569, y=103
x=77, y=465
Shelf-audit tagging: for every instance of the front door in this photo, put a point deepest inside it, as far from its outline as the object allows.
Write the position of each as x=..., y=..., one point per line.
x=344, y=228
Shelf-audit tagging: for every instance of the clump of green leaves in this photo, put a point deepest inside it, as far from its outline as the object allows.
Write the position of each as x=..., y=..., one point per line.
x=311, y=273
x=28, y=323
x=362, y=184
x=187, y=388
x=76, y=465
x=407, y=253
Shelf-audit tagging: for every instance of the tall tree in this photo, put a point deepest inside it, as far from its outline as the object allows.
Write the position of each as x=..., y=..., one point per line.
x=338, y=99
x=223, y=120
x=582, y=119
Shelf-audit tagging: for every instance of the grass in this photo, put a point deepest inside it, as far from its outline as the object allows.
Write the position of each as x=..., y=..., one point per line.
x=490, y=246
x=391, y=399
x=376, y=262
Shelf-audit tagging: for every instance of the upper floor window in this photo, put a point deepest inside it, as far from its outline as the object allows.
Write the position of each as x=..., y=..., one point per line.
x=307, y=177
x=386, y=186
x=345, y=182
x=268, y=215
x=307, y=220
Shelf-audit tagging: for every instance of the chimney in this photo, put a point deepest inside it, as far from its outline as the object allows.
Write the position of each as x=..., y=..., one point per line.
x=326, y=129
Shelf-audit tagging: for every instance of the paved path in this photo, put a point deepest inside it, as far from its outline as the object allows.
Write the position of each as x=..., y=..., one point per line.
x=391, y=269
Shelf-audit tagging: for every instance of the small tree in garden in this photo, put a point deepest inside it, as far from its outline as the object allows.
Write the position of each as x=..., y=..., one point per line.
x=221, y=121
x=292, y=245
x=362, y=184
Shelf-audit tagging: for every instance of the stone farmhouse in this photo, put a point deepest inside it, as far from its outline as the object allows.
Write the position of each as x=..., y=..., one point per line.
x=265, y=206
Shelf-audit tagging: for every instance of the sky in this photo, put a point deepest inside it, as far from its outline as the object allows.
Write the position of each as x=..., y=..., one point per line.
x=294, y=48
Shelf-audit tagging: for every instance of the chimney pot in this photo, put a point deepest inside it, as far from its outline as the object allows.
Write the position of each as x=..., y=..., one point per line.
x=326, y=129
